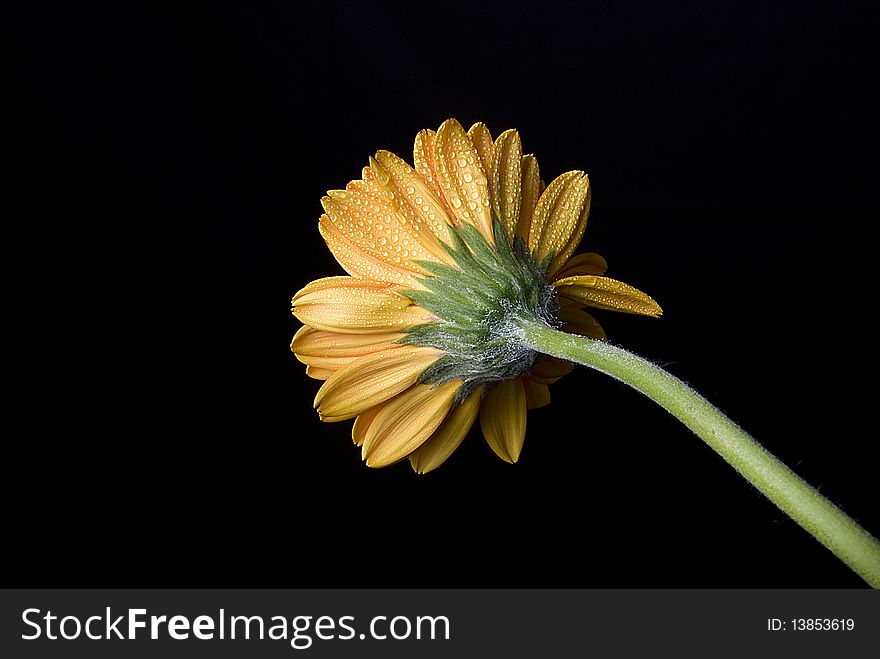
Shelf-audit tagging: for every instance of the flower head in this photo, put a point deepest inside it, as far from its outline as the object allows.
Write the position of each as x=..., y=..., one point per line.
x=418, y=341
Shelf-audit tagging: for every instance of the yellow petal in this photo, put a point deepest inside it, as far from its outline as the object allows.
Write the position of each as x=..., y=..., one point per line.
x=377, y=229
x=425, y=165
x=531, y=191
x=461, y=177
x=362, y=423
x=503, y=418
x=372, y=379
x=331, y=364
x=415, y=201
x=379, y=184
x=548, y=370
x=580, y=322
x=573, y=242
x=537, y=395
x=361, y=263
x=320, y=343
x=547, y=202
x=606, y=293
x=588, y=263
x=350, y=305
x=334, y=419
x=482, y=141
x=557, y=214
x=318, y=373
x=330, y=283
x=506, y=180
x=404, y=423
x=440, y=445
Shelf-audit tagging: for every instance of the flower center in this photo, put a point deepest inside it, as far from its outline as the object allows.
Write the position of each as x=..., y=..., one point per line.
x=476, y=304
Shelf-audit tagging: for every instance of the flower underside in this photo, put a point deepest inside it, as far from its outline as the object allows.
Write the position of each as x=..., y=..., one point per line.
x=446, y=259
x=475, y=303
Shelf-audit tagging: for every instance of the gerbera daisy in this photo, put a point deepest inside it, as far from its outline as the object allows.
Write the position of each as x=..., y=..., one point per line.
x=462, y=273
x=416, y=342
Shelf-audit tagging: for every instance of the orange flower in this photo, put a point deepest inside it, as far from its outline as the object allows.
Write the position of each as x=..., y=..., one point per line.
x=415, y=343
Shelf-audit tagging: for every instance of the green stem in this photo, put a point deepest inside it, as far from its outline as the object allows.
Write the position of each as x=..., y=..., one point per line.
x=825, y=521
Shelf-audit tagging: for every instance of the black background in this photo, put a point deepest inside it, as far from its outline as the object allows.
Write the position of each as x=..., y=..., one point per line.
x=179, y=154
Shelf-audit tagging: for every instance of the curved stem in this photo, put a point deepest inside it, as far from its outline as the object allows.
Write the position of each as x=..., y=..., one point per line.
x=825, y=521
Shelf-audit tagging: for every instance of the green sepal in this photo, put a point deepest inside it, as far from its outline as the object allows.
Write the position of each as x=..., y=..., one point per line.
x=452, y=308
x=476, y=302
